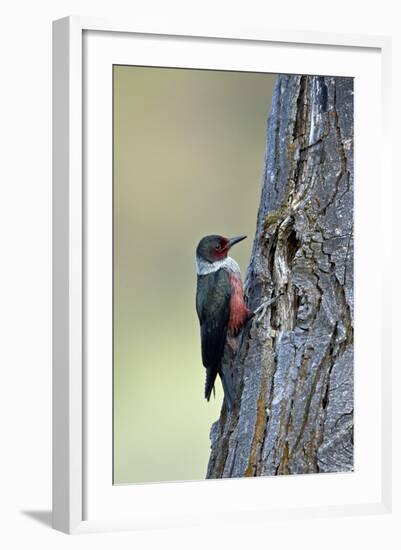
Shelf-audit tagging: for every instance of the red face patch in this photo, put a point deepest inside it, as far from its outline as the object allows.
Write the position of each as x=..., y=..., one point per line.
x=219, y=252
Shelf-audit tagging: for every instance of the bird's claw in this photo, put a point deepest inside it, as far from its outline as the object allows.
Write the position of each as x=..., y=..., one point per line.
x=260, y=311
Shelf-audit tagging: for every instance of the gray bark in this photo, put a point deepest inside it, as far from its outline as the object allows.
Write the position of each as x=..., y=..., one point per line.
x=293, y=369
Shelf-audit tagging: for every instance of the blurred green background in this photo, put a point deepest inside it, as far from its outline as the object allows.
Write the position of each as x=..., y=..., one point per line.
x=188, y=161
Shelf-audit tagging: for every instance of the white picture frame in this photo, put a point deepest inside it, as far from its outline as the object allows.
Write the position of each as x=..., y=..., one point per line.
x=83, y=497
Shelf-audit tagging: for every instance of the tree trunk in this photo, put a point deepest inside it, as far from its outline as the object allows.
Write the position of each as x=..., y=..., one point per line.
x=293, y=368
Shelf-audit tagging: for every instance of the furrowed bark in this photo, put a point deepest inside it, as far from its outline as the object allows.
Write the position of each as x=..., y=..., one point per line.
x=293, y=370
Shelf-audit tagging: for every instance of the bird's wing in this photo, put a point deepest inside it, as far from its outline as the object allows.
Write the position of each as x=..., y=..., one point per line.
x=213, y=308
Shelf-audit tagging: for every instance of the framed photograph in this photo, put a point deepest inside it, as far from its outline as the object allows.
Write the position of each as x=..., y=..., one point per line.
x=220, y=331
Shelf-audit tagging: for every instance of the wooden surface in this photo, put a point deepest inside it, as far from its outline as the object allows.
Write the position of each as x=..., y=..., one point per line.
x=293, y=369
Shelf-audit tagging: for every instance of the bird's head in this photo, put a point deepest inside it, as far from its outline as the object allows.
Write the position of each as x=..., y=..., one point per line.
x=213, y=248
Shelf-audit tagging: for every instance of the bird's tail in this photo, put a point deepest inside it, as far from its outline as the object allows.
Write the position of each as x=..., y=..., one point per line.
x=211, y=373
x=228, y=387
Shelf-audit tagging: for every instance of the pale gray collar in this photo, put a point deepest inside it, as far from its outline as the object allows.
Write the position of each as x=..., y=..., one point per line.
x=204, y=268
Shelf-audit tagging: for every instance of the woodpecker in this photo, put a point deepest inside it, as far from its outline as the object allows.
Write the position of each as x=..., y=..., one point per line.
x=220, y=306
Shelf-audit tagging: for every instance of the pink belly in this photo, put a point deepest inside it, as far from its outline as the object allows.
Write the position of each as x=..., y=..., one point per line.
x=238, y=311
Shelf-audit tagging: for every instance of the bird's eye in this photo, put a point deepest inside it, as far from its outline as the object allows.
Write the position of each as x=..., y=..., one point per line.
x=218, y=247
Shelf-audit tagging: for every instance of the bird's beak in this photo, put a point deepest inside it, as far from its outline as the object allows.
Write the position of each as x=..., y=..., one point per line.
x=235, y=240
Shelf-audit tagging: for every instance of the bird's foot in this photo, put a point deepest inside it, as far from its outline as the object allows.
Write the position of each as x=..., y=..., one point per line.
x=232, y=342
x=260, y=311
